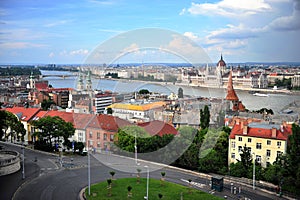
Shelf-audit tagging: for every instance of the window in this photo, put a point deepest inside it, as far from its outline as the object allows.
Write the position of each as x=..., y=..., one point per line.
x=268, y=142
x=80, y=134
x=258, y=145
x=91, y=142
x=91, y=134
x=98, y=144
x=105, y=136
x=258, y=158
x=249, y=148
x=249, y=140
x=240, y=149
x=233, y=155
x=279, y=153
x=268, y=153
x=111, y=137
x=233, y=144
x=240, y=139
x=98, y=135
x=279, y=144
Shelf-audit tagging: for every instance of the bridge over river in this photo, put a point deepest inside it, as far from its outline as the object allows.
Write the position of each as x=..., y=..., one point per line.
x=63, y=76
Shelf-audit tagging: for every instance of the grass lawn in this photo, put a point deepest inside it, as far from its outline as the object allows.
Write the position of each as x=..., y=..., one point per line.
x=168, y=190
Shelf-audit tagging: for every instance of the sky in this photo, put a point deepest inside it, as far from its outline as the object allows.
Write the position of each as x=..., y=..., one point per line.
x=68, y=31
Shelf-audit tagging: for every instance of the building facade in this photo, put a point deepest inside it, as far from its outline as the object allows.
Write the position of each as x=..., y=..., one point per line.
x=265, y=141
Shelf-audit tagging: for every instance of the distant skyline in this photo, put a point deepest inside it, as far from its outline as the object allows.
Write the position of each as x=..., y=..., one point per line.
x=67, y=31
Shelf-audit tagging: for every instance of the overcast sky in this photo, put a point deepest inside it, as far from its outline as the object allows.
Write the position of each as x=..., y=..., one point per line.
x=65, y=31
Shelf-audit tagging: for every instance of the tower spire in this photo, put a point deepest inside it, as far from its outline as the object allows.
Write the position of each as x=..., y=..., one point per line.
x=231, y=95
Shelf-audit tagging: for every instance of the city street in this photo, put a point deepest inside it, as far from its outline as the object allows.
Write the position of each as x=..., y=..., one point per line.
x=46, y=179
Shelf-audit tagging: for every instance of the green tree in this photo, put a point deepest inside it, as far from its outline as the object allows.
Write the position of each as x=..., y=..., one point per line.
x=46, y=104
x=144, y=91
x=180, y=92
x=53, y=129
x=12, y=124
x=293, y=159
x=109, y=111
x=204, y=117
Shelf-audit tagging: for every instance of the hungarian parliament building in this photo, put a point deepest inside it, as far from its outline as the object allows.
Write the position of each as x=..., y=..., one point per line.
x=218, y=77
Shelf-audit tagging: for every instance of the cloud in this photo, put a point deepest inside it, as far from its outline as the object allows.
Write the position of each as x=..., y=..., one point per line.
x=183, y=11
x=51, y=55
x=288, y=23
x=235, y=32
x=230, y=8
x=103, y=2
x=20, y=45
x=57, y=23
x=191, y=35
x=79, y=52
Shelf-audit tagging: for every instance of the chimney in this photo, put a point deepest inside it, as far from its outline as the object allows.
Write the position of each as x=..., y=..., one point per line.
x=245, y=129
x=237, y=121
x=274, y=130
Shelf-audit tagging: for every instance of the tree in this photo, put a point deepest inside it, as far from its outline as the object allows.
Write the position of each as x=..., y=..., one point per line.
x=10, y=122
x=144, y=91
x=293, y=158
x=138, y=175
x=109, y=111
x=204, y=117
x=112, y=173
x=180, y=92
x=129, y=194
x=109, y=186
x=163, y=174
x=160, y=196
x=53, y=129
x=46, y=104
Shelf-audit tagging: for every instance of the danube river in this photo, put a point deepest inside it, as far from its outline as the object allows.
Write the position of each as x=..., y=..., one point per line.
x=273, y=101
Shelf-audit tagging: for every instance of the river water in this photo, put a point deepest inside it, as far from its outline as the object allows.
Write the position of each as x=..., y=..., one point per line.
x=276, y=102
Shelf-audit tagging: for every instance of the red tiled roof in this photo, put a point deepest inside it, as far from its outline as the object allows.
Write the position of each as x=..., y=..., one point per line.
x=68, y=117
x=107, y=122
x=41, y=86
x=158, y=128
x=82, y=120
x=261, y=132
x=24, y=114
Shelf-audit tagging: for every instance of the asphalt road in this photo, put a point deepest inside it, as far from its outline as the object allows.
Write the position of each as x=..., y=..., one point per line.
x=46, y=179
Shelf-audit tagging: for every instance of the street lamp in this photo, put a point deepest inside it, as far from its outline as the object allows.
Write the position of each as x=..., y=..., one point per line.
x=135, y=150
x=89, y=172
x=254, y=159
x=147, y=194
x=23, y=162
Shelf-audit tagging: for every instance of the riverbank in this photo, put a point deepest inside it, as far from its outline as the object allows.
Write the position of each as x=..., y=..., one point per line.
x=254, y=90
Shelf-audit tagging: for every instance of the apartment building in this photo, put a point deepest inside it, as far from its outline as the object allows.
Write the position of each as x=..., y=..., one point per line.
x=265, y=141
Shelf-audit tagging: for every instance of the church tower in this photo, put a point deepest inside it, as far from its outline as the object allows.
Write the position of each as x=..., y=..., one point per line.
x=232, y=96
x=88, y=81
x=221, y=66
x=79, y=83
x=31, y=81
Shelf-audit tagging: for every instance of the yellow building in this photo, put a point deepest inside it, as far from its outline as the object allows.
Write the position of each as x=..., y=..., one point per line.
x=265, y=141
x=136, y=111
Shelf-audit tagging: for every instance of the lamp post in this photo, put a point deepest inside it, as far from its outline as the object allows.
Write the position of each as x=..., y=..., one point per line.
x=23, y=162
x=147, y=194
x=89, y=172
x=254, y=159
x=135, y=150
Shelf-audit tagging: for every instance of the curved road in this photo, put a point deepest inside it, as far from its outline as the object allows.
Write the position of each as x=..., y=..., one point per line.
x=47, y=180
